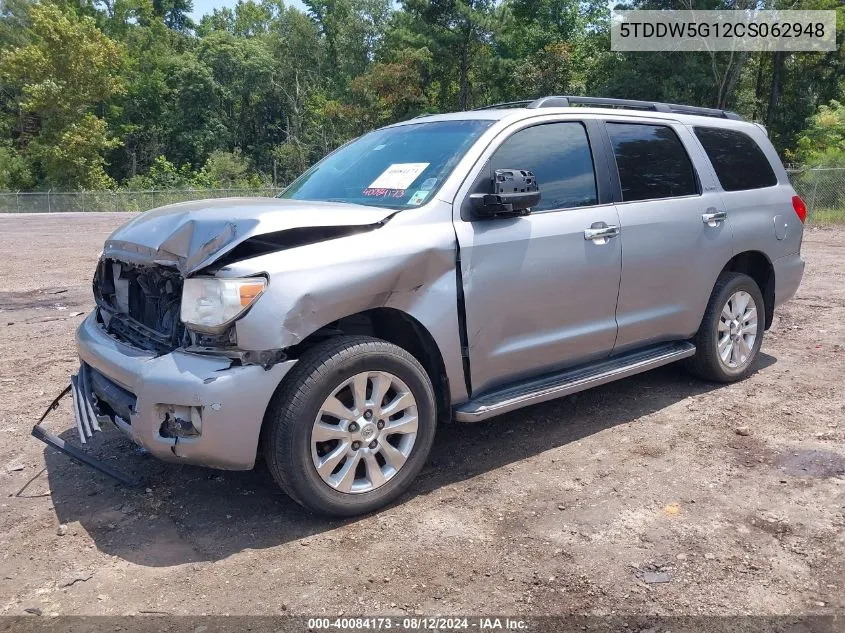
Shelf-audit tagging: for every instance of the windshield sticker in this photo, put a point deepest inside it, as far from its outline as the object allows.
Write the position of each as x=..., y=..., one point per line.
x=428, y=183
x=398, y=176
x=372, y=192
x=418, y=197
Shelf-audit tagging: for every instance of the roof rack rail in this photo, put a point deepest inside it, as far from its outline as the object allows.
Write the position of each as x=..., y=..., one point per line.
x=506, y=104
x=628, y=104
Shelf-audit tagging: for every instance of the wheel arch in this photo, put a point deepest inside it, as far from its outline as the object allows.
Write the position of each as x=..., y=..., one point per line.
x=399, y=328
x=758, y=266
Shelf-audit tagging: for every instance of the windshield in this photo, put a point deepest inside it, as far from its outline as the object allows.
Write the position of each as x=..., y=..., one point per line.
x=396, y=167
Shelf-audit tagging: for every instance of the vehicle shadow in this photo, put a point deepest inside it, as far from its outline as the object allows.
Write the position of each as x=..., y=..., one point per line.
x=190, y=514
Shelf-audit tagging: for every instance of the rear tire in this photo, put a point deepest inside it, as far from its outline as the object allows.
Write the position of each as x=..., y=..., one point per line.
x=351, y=426
x=732, y=330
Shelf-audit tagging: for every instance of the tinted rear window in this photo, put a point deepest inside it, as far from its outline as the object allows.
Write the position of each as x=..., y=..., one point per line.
x=652, y=162
x=738, y=160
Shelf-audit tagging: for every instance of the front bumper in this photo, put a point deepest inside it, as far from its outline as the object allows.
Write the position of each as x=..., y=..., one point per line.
x=228, y=401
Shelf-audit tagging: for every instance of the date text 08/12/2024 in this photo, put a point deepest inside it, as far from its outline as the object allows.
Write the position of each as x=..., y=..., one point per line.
x=419, y=623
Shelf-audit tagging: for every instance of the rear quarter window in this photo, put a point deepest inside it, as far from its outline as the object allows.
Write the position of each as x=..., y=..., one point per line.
x=739, y=162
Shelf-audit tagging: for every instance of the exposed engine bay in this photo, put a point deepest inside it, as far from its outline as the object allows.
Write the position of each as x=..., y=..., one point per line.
x=139, y=305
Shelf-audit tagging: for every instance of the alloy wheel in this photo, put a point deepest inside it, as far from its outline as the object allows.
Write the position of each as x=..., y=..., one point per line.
x=737, y=330
x=364, y=432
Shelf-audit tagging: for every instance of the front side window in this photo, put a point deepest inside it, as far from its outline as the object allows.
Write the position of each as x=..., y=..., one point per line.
x=560, y=157
x=652, y=162
x=739, y=162
x=398, y=167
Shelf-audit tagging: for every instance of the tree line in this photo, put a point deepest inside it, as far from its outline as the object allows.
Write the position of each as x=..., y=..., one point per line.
x=132, y=94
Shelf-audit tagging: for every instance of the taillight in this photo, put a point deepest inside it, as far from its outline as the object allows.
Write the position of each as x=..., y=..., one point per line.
x=800, y=208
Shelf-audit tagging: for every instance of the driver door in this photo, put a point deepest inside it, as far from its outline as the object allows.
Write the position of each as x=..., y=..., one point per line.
x=539, y=295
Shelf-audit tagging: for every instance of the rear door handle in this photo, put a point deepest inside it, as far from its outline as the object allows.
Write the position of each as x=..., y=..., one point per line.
x=713, y=217
x=601, y=234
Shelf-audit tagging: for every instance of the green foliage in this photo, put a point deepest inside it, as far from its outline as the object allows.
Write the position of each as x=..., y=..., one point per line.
x=66, y=70
x=351, y=29
x=227, y=170
x=388, y=92
x=222, y=170
x=14, y=170
x=73, y=158
x=132, y=94
x=247, y=19
x=291, y=160
x=175, y=13
x=14, y=20
x=822, y=143
x=162, y=174
x=68, y=66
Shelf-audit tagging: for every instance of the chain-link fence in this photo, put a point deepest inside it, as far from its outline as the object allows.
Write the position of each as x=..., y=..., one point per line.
x=52, y=201
x=823, y=191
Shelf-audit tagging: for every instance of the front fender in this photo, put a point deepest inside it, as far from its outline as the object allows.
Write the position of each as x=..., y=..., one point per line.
x=408, y=266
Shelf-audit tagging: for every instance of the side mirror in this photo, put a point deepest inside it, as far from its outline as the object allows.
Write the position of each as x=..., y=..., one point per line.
x=515, y=191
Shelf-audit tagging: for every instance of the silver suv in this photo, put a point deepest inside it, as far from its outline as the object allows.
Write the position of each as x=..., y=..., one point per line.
x=455, y=266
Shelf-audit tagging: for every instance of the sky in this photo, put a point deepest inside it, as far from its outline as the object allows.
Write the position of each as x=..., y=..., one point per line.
x=201, y=7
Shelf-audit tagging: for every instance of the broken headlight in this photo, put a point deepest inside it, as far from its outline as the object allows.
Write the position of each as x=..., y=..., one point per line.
x=209, y=304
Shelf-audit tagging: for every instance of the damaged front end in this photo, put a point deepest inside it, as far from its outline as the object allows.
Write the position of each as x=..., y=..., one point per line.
x=160, y=359
x=139, y=305
x=181, y=406
x=139, y=282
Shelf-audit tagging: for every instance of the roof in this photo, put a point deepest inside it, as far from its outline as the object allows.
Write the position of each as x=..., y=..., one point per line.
x=626, y=108
x=517, y=114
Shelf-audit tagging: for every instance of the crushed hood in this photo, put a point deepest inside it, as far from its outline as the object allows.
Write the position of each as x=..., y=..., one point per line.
x=192, y=235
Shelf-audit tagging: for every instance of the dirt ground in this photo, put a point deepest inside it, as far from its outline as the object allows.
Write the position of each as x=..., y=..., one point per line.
x=659, y=494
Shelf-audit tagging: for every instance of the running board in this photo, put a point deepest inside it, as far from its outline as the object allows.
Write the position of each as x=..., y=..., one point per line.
x=570, y=381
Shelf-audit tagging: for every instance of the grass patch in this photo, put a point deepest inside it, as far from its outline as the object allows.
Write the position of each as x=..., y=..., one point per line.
x=827, y=216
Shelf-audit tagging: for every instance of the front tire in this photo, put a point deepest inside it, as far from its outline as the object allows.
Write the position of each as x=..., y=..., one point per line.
x=351, y=426
x=732, y=330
